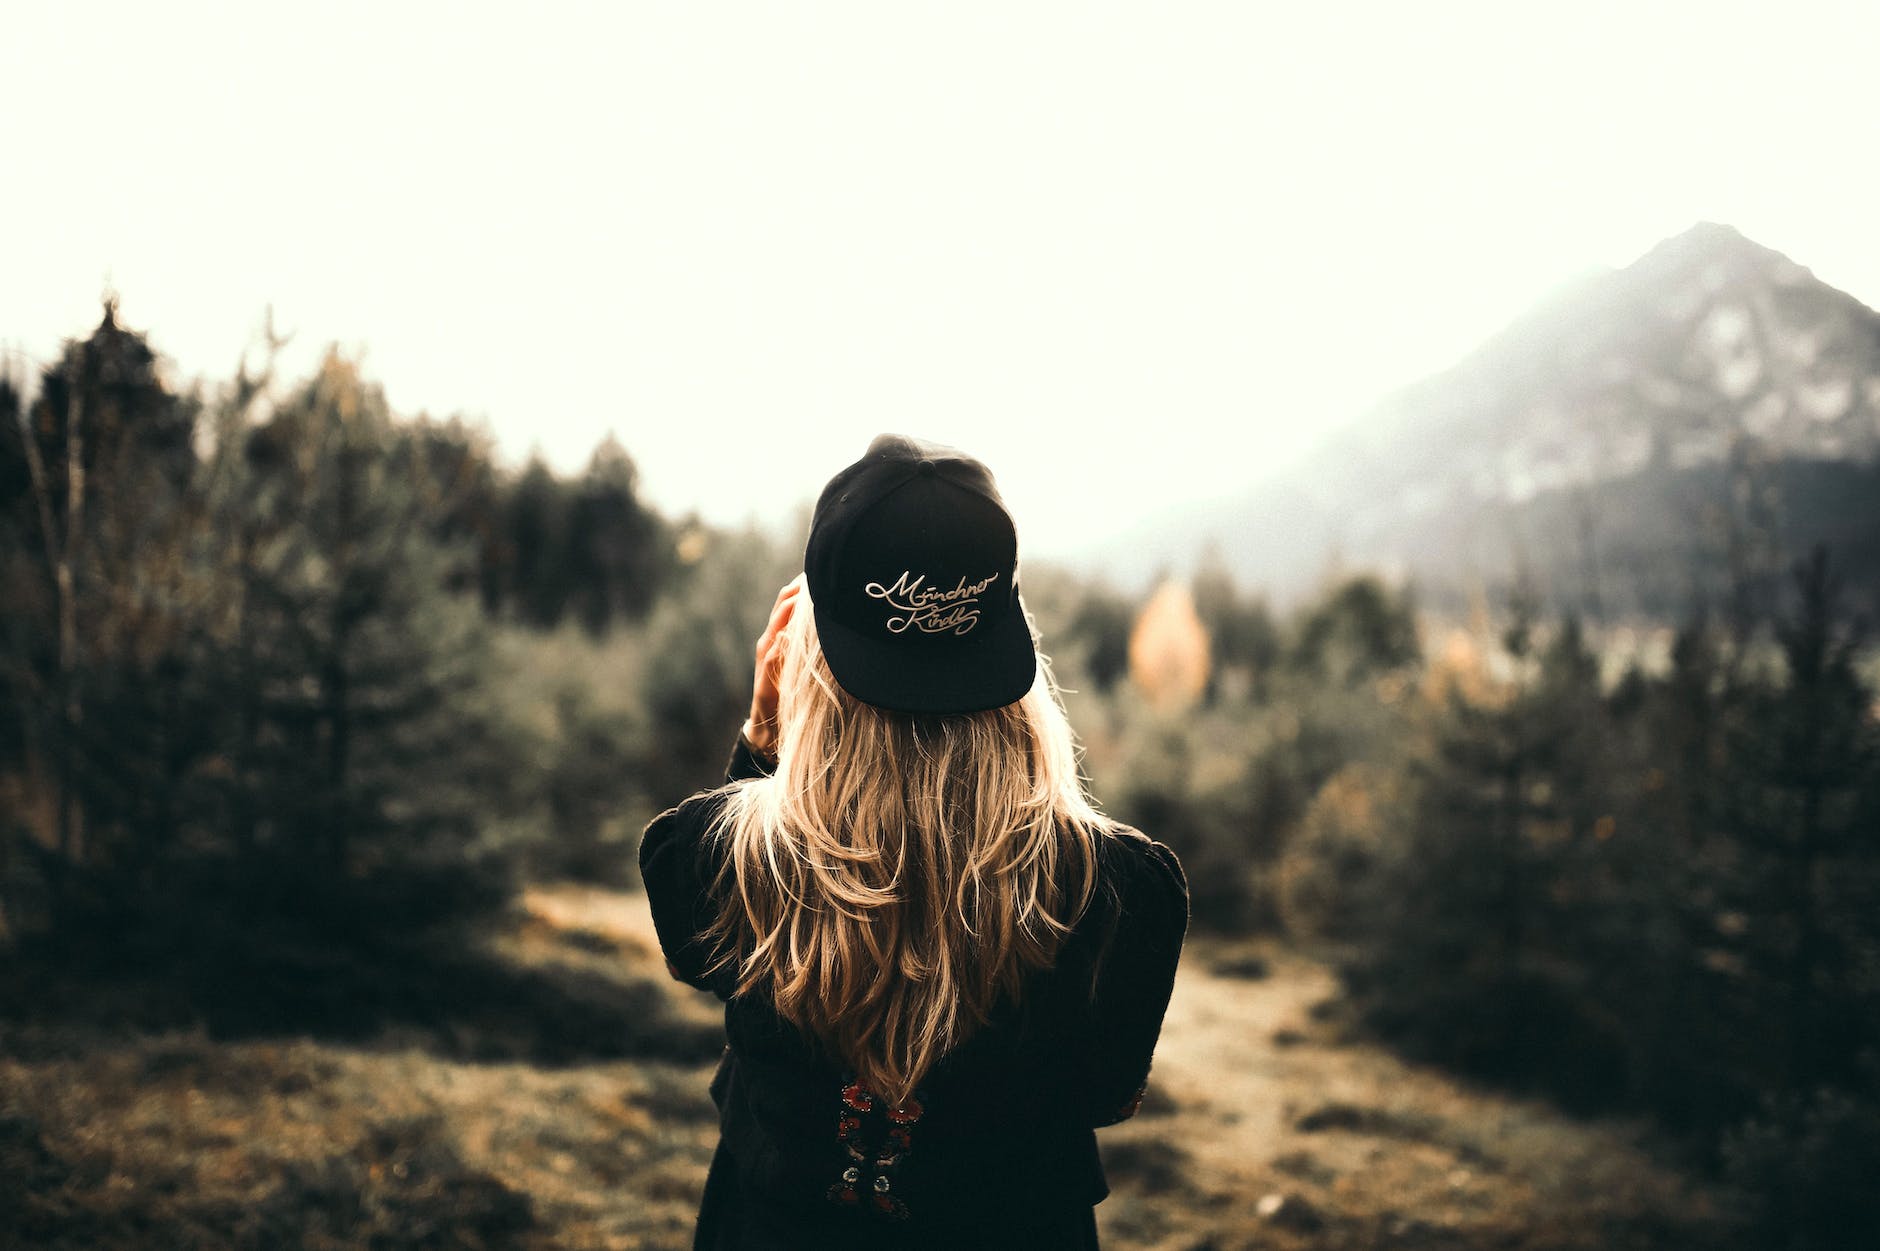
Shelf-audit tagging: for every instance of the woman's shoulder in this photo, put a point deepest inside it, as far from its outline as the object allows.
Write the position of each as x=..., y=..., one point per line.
x=1132, y=851
x=695, y=811
x=1145, y=875
x=687, y=824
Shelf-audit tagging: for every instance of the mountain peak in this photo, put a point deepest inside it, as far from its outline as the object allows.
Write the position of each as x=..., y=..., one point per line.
x=1709, y=254
x=1714, y=231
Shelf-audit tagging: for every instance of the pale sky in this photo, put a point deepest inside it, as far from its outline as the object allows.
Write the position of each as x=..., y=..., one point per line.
x=1131, y=256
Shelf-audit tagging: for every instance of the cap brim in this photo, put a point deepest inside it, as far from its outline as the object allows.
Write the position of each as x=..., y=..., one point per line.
x=988, y=669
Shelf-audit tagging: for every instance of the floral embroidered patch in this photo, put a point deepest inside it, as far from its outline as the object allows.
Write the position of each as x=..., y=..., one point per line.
x=875, y=1138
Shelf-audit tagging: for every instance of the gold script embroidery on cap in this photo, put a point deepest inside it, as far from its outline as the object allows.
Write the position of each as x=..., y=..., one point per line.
x=930, y=609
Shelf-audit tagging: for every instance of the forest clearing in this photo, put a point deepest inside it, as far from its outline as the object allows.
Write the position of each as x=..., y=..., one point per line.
x=322, y=709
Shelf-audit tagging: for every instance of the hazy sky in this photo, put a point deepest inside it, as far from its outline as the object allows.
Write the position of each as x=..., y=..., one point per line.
x=1129, y=255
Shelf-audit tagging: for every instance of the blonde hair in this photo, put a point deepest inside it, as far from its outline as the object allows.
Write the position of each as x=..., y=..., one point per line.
x=899, y=875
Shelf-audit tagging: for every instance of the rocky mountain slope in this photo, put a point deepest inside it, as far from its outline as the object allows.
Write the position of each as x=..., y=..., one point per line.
x=1673, y=431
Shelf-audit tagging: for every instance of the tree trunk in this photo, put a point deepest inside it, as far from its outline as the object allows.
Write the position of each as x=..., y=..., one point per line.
x=71, y=814
x=66, y=719
x=336, y=696
x=249, y=721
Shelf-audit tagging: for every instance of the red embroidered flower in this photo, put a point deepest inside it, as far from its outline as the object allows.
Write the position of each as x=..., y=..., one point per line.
x=865, y=1124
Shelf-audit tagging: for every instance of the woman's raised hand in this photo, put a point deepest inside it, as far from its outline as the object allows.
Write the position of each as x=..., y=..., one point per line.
x=760, y=729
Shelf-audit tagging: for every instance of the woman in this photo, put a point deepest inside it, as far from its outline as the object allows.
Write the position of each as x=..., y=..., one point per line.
x=942, y=968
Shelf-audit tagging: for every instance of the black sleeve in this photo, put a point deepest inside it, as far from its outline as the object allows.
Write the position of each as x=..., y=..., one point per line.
x=1135, y=979
x=678, y=871
x=678, y=879
x=746, y=763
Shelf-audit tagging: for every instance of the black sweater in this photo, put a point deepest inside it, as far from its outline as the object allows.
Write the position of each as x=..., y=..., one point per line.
x=1001, y=1130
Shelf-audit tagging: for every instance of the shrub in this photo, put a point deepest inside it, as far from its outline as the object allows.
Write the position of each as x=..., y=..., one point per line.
x=1802, y=1171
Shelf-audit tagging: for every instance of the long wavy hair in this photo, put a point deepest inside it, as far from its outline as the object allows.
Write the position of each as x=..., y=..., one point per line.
x=901, y=874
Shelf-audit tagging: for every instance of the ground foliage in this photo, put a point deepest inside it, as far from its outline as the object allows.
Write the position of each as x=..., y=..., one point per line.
x=1263, y=1128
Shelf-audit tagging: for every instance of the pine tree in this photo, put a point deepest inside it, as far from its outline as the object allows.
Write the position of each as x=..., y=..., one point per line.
x=1358, y=631
x=1099, y=630
x=1488, y=918
x=1241, y=630
x=535, y=528
x=1807, y=883
x=366, y=744
x=1809, y=760
x=94, y=512
x=619, y=553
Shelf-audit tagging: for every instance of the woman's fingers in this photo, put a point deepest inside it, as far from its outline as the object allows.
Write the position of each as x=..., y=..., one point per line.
x=761, y=729
x=779, y=616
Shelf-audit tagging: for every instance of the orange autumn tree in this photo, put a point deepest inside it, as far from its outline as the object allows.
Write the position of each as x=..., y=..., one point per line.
x=1169, y=651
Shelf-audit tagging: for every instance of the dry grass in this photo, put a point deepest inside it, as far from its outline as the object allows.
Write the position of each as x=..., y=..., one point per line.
x=1262, y=1130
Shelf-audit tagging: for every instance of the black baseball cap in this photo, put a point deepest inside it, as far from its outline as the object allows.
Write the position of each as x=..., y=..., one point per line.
x=912, y=569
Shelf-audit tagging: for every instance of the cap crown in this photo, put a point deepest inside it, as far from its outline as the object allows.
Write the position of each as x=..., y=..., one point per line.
x=912, y=569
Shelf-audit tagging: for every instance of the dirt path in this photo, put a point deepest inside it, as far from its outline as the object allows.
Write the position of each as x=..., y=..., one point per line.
x=1267, y=1132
